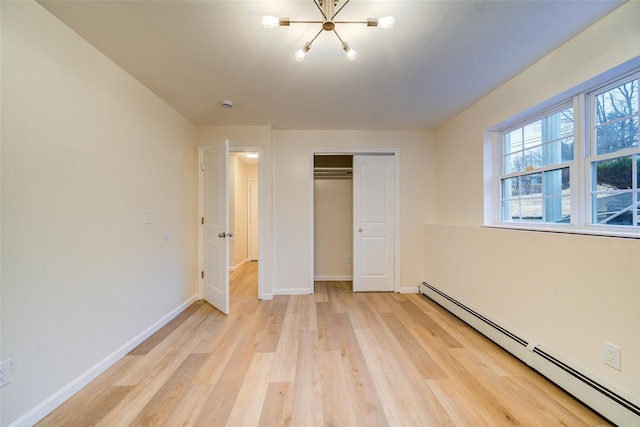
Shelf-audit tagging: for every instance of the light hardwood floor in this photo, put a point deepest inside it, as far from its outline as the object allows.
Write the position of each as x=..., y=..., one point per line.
x=334, y=358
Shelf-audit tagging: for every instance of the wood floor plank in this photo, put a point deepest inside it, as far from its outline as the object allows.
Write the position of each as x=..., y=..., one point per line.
x=320, y=292
x=307, y=401
x=337, y=407
x=220, y=403
x=93, y=411
x=364, y=396
x=247, y=408
x=150, y=343
x=187, y=409
x=396, y=400
x=165, y=399
x=405, y=372
x=278, y=405
x=421, y=359
x=284, y=369
x=67, y=412
x=450, y=394
x=336, y=358
x=493, y=389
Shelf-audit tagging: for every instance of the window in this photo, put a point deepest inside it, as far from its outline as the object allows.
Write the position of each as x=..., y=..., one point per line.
x=536, y=160
x=614, y=165
x=575, y=165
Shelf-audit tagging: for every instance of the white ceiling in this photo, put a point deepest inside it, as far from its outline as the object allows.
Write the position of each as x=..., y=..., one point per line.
x=440, y=57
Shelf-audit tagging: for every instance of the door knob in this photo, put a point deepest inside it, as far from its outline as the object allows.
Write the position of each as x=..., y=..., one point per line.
x=230, y=234
x=223, y=235
x=359, y=230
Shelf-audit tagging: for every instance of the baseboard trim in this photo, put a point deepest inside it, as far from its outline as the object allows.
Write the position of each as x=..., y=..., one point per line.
x=334, y=278
x=240, y=264
x=52, y=402
x=292, y=292
x=601, y=397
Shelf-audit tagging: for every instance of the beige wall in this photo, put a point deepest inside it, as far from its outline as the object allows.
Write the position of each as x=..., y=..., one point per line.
x=333, y=229
x=293, y=182
x=567, y=292
x=88, y=154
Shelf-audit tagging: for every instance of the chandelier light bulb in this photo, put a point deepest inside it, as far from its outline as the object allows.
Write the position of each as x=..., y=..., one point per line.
x=386, y=22
x=270, y=21
x=351, y=54
x=302, y=52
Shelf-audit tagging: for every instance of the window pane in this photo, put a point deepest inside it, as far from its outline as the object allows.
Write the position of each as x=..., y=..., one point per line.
x=613, y=174
x=558, y=151
x=510, y=188
x=532, y=134
x=557, y=190
x=532, y=158
x=531, y=209
x=613, y=208
x=510, y=210
x=513, y=141
x=513, y=163
x=531, y=185
x=560, y=124
x=617, y=135
x=617, y=103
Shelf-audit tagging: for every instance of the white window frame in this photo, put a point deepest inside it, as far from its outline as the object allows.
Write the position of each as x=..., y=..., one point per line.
x=542, y=169
x=581, y=98
x=591, y=156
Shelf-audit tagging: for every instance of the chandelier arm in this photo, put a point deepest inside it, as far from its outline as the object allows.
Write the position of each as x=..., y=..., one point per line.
x=338, y=36
x=316, y=36
x=349, y=22
x=307, y=22
x=320, y=9
x=341, y=7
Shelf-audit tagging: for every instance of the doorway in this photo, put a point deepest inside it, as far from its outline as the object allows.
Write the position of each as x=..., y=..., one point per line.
x=355, y=218
x=241, y=165
x=244, y=224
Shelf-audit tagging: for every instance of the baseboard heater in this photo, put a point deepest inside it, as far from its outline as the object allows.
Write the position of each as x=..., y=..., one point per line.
x=603, y=399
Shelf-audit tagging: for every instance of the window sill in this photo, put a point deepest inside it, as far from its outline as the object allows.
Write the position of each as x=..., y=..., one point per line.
x=561, y=230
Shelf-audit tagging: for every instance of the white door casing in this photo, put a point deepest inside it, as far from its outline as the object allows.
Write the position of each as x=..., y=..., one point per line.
x=216, y=225
x=373, y=223
x=253, y=220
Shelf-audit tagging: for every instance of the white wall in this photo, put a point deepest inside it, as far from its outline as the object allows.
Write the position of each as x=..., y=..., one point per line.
x=293, y=181
x=567, y=292
x=333, y=229
x=88, y=153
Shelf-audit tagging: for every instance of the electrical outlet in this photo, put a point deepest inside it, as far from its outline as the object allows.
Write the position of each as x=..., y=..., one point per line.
x=5, y=372
x=611, y=355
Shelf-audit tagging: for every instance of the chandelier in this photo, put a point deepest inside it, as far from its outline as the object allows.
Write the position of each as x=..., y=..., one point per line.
x=329, y=13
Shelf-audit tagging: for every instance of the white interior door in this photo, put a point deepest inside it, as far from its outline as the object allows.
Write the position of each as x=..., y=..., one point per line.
x=216, y=224
x=373, y=223
x=253, y=220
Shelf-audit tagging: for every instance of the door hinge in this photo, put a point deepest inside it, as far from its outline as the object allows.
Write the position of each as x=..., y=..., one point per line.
x=202, y=274
x=201, y=166
x=202, y=220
